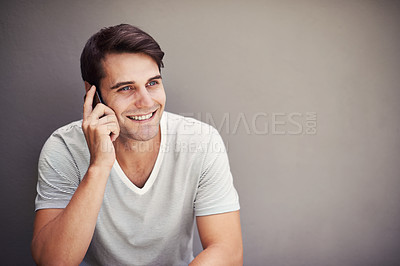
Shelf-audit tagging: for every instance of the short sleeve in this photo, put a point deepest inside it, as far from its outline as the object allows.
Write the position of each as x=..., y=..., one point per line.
x=216, y=192
x=58, y=175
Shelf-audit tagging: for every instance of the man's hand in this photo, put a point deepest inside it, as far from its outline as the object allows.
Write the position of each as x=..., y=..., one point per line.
x=101, y=128
x=63, y=236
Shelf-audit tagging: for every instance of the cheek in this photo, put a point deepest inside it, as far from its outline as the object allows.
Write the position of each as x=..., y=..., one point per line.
x=119, y=104
x=160, y=96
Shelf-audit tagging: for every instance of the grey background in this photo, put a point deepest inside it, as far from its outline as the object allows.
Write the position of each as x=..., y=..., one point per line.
x=330, y=198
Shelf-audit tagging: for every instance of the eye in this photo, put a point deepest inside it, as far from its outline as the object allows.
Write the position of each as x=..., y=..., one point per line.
x=125, y=88
x=152, y=83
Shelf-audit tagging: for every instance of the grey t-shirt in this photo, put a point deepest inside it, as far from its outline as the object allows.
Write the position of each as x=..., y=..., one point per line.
x=152, y=225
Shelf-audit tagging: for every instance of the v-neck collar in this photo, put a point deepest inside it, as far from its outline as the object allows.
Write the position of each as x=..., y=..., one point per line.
x=154, y=173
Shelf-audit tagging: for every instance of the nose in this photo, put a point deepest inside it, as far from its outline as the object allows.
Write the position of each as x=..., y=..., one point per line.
x=143, y=98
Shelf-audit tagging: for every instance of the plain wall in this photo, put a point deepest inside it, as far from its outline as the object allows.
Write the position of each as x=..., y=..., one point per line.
x=305, y=95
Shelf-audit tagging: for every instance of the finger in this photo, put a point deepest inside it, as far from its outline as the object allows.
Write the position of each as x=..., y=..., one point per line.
x=102, y=110
x=112, y=126
x=110, y=129
x=106, y=129
x=114, y=132
x=87, y=105
x=109, y=119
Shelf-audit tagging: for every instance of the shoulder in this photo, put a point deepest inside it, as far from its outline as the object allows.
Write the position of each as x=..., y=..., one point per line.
x=73, y=128
x=66, y=139
x=72, y=131
x=191, y=136
x=187, y=126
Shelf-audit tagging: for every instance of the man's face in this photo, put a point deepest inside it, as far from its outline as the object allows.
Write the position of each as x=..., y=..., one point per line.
x=133, y=88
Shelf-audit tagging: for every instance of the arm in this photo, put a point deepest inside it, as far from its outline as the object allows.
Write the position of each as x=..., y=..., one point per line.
x=62, y=236
x=221, y=237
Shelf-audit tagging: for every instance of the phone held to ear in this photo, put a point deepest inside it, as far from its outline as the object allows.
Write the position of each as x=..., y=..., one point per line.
x=96, y=99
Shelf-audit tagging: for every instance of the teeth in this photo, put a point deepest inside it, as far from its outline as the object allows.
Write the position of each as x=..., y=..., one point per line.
x=141, y=117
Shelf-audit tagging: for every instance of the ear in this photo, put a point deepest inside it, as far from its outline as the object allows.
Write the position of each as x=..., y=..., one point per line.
x=87, y=86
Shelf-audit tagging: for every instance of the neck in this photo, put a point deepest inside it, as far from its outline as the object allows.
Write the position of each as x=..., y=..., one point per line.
x=128, y=150
x=137, y=158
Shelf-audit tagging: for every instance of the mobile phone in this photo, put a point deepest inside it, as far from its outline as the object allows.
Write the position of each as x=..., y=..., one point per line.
x=96, y=99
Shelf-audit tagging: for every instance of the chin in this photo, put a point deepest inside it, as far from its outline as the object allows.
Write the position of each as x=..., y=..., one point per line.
x=144, y=134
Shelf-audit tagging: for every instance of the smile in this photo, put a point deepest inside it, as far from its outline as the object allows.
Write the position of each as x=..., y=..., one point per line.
x=142, y=117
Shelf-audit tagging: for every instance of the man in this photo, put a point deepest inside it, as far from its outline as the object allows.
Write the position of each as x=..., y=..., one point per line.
x=123, y=185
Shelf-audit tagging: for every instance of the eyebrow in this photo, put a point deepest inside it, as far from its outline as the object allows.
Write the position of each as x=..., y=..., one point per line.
x=122, y=83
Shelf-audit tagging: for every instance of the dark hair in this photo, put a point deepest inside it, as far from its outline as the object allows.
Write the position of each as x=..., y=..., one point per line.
x=123, y=38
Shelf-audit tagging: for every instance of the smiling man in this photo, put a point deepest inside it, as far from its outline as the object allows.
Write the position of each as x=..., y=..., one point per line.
x=125, y=185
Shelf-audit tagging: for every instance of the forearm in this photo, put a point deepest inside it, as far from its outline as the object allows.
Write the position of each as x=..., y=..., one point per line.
x=66, y=238
x=219, y=254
